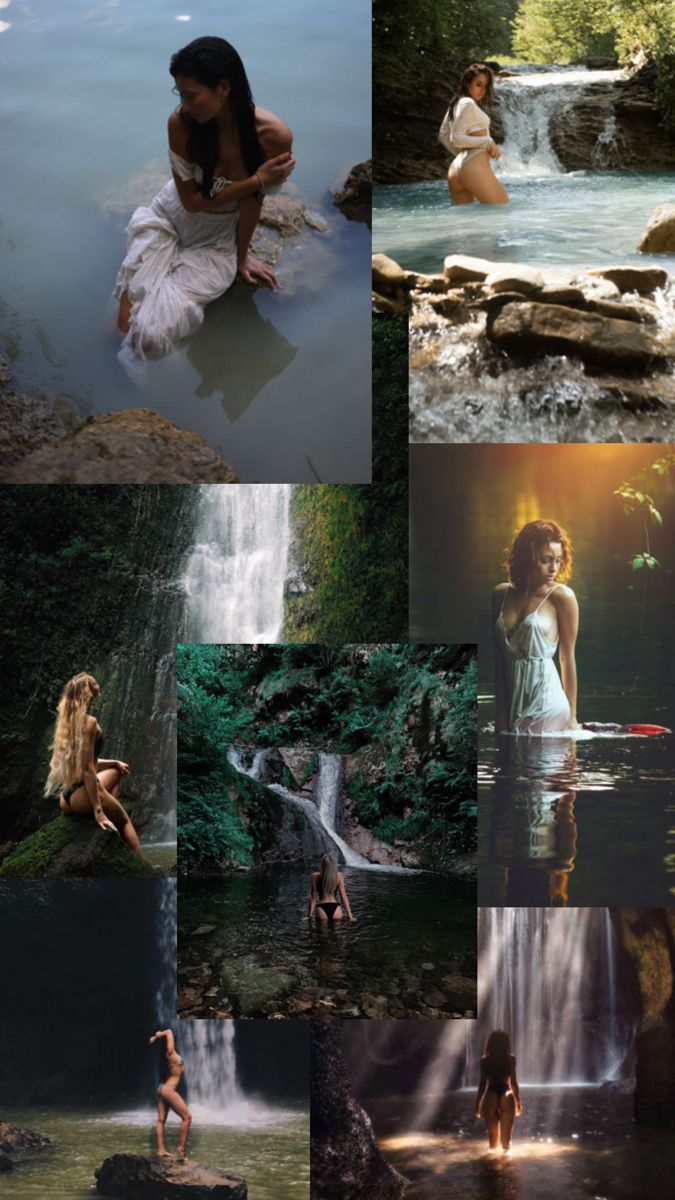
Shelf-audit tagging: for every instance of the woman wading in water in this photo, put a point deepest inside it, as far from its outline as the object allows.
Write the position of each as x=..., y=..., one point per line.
x=186, y=248
x=498, y=1097
x=89, y=785
x=466, y=133
x=533, y=615
x=328, y=893
x=168, y=1098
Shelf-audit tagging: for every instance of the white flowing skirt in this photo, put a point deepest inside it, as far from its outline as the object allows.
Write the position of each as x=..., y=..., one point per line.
x=537, y=702
x=176, y=263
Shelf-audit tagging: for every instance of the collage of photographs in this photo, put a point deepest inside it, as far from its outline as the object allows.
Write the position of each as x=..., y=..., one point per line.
x=337, y=496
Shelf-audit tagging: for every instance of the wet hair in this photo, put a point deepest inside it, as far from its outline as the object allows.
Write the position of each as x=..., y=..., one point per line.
x=208, y=60
x=66, y=761
x=328, y=876
x=497, y=1052
x=521, y=554
x=468, y=76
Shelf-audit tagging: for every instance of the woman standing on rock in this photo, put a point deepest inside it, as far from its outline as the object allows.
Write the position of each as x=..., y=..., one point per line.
x=466, y=133
x=498, y=1097
x=328, y=892
x=88, y=784
x=168, y=1097
x=533, y=615
x=186, y=248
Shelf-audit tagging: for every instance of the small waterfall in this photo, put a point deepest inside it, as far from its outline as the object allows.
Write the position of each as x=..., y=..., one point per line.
x=237, y=567
x=527, y=101
x=165, y=994
x=328, y=789
x=607, y=148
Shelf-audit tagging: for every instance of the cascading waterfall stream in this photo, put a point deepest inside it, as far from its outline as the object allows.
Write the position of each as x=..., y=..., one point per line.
x=549, y=978
x=527, y=102
x=236, y=571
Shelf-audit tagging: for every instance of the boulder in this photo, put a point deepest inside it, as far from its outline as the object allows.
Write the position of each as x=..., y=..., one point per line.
x=29, y=420
x=460, y=268
x=14, y=1139
x=659, y=236
x=6, y=1163
x=355, y=198
x=137, y=1177
x=643, y=280
x=532, y=329
x=250, y=985
x=134, y=445
x=387, y=272
x=75, y=847
x=514, y=279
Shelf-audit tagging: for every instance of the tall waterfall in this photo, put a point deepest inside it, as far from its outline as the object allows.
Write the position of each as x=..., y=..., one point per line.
x=166, y=923
x=527, y=102
x=548, y=977
x=237, y=568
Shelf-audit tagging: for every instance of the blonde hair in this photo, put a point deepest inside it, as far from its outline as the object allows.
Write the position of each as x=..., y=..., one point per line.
x=65, y=767
x=328, y=876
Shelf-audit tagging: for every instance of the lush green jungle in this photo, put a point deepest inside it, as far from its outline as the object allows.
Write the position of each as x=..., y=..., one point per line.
x=404, y=717
x=353, y=541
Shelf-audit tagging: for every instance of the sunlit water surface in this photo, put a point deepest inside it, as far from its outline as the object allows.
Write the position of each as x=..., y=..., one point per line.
x=274, y=1160
x=279, y=382
x=245, y=946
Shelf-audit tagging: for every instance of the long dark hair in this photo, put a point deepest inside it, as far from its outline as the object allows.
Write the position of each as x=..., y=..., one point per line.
x=521, y=554
x=497, y=1054
x=208, y=60
x=463, y=89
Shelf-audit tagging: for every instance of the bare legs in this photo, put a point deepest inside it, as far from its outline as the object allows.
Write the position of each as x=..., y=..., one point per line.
x=109, y=787
x=476, y=181
x=124, y=314
x=499, y=1114
x=168, y=1098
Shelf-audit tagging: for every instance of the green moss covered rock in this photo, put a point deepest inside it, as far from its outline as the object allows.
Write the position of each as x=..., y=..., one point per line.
x=74, y=847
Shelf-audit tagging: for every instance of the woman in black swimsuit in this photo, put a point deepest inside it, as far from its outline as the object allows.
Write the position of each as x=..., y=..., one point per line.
x=169, y=1098
x=87, y=784
x=498, y=1097
x=328, y=893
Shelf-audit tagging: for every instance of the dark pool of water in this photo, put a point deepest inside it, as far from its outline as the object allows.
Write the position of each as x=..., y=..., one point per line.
x=576, y=1142
x=246, y=949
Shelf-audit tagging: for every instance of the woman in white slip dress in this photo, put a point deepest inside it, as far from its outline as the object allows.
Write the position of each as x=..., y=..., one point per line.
x=465, y=132
x=535, y=615
x=186, y=247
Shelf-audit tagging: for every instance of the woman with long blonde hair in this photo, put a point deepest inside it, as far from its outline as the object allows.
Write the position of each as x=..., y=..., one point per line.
x=85, y=783
x=328, y=893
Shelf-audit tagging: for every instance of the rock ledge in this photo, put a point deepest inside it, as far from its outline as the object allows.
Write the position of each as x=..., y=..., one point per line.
x=136, y=1177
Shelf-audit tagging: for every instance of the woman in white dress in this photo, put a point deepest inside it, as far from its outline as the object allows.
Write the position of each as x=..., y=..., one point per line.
x=466, y=133
x=534, y=615
x=186, y=247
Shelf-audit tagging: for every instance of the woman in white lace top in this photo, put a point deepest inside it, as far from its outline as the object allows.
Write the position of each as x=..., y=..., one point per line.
x=186, y=247
x=466, y=133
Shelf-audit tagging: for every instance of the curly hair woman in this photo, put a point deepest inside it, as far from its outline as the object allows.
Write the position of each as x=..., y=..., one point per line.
x=534, y=615
x=466, y=133
x=186, y=248
x=87, y=783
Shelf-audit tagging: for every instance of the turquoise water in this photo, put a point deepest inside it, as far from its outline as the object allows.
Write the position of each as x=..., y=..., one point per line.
x=578, y=219
x=279, y=382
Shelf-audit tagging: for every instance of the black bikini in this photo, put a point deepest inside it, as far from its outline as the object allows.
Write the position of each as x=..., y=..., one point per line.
x=98, y=746
x=499, y=1089
x=329, y=907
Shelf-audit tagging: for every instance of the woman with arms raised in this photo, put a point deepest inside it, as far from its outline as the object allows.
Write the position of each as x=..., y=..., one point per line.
x=168, y=1097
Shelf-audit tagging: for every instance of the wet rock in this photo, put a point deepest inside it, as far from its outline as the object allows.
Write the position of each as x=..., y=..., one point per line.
x=137, y=1177
x=382, y=304
x=6, y=1163
x=659, y=236
x=355, y=198
x=13, y=1139
x=301, y=763
x=643, y=280
x=253, y=985
x=430, y=283
x=131, y=446
x=531, y=329
x=30, y=419
x=514, y=279
x=652, y=394
x=386, y=271
x=202, y=930
x=460, y=268
x=74, y=847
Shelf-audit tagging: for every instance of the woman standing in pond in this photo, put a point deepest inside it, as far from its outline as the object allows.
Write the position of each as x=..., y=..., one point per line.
x=498, y=1097
x=533, y=615
x=328, y=893
x=186, y=248
x=168, y=1097
x=466, y=133
x=88, y=784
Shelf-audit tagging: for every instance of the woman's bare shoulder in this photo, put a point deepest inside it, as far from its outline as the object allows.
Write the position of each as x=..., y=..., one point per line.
x=274, y=134
x=90, y=723
x=178, y=132
x=500, y=590
x=564, y=596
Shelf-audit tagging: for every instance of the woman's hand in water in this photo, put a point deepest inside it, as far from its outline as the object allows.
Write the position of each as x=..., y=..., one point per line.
x=252, y=271
x=352, y=920
x=276, y=170
x=105, y=823
x=123, y=768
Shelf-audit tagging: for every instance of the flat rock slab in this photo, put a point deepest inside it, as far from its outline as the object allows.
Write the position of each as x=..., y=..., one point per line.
x=514, y=279
x=659, y=236
x=534, y=329
x=643, y=280
x=460, y=268
x=387, y=271
x=135, y=1177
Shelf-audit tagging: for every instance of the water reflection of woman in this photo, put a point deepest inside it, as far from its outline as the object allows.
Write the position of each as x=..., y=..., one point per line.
x=186, y=248
x=470, y=176
x=88, y=784
x=534, y=615
x=498, y=1097
x=168, y=1097
x=328, y=893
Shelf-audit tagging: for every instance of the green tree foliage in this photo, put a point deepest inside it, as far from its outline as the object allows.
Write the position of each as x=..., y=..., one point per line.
x=407, y=715
x=639, y=497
